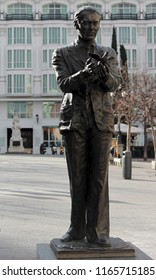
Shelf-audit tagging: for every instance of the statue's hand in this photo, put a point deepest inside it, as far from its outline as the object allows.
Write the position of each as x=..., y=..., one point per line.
x=90, y=67
x=102, y=68
x=103, y=71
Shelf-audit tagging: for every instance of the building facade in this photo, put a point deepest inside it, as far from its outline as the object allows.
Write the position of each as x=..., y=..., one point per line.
x=29, y=32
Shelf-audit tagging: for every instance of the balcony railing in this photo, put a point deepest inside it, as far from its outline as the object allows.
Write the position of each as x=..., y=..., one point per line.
x=124, y=16
x=150, y=16
x=54, y=17
x=38, y=16
x=19, y=17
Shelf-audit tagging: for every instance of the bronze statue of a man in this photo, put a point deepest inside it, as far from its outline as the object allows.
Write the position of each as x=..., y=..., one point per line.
x=87, y=73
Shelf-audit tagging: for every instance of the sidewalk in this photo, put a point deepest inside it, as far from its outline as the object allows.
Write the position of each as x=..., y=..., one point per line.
x=133, y=206
x=35, y=204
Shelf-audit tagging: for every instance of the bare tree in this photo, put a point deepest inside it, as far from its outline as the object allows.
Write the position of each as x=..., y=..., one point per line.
x=126, y=100
x=137, y=102
x=135, y=99
x=146, y=91
x=128, y=107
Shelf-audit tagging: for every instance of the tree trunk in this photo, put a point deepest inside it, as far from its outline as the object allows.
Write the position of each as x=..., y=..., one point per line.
x=145, y=141
x=128, y=145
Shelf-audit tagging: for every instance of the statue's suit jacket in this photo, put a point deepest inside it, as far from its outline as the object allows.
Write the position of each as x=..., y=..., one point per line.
x=68, y=63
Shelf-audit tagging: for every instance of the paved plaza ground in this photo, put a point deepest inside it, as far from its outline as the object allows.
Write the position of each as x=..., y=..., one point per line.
x=35, y=204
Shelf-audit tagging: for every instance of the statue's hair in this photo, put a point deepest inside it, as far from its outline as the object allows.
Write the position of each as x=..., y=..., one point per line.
x=79, y=13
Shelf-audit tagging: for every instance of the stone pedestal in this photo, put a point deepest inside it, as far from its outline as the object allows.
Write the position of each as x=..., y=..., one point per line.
x=120, y=250
x=85, y=250
x=16, y=145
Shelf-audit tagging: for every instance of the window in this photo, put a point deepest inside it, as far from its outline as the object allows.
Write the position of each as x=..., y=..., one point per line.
x=98, y=37
x=52, y=82
x=49, y=83
x=45, y=58
x=154, y=35
x=54, y=35
x=45, y=36
x=20, y=8
x=29, y=35
x=133, y=35
x=19, y=59
x=124, y=35
x=94, y=5
x=29, y=59
x=52, y=137
x=19, y=35
x=29, y=84
x=64, y=36
x=19, y=83
x=50, y=58
x=134, y=58
x=155, y=58
x=9, y=84
x=9, y=59
x=9, y=36
x=55, y=9
x=24, y=109
x=127, y=35
x=151, y=8
x=150, y=58
x=131, y=58
x=149, y=35
x=124, y=8
x=51, y=109
x=45, y=80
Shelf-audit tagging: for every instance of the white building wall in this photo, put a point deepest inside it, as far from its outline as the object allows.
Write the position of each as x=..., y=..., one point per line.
x=3, y=46
x=37, y=60
x=3, y=127
x=37, y=71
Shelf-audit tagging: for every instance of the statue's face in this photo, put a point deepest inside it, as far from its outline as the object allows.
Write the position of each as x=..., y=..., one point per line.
x=88, y=25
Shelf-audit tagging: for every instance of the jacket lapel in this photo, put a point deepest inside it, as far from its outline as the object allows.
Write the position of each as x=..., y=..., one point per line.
x=78, y=56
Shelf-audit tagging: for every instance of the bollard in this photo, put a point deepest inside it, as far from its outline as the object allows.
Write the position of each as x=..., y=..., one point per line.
x=127, y=164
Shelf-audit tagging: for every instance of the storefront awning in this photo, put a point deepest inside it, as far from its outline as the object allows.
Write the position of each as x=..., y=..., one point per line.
x=124, y=128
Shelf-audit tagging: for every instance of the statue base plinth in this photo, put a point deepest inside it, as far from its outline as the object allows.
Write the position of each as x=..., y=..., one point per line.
x=16, y=146
x=85, y=250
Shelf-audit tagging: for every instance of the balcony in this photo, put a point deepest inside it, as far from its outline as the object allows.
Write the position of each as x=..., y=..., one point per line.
x=54, y=17
x=150, y=16
x=124, y=16
x=19, y=17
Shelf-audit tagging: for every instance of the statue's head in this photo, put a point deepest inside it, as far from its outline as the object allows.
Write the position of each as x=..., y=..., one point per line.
x=87, y=22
